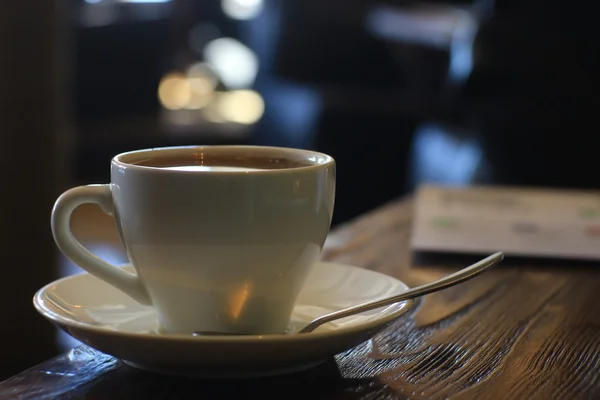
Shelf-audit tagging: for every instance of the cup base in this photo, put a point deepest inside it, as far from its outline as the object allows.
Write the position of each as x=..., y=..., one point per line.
x=161, y=330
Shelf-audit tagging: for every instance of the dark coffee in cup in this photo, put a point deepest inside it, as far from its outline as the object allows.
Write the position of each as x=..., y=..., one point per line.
x=221, y=162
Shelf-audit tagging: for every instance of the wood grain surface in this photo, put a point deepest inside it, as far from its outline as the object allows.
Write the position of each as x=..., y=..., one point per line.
x=525, y=330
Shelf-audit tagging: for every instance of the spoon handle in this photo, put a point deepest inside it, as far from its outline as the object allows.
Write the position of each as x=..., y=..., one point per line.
x=446, y=282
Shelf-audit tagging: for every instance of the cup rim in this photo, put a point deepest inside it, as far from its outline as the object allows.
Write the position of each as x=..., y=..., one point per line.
x=319, y=161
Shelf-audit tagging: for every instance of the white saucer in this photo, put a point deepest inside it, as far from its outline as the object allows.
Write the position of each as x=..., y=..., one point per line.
x=108, y=320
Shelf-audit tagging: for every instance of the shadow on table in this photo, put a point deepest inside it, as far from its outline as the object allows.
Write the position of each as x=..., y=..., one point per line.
x=84, y=373
x=324, y=381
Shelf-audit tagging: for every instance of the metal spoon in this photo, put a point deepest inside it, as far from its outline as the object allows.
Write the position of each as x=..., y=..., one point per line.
x=447, y=281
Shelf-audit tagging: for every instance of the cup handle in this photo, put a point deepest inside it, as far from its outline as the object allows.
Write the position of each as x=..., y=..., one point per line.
x=70, y=246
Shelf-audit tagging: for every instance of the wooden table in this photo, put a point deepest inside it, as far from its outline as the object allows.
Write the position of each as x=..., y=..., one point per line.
x=520, y=331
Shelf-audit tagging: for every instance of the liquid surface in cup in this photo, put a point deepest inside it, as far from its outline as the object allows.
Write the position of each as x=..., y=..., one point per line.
x=218, y=162
x=210, y=168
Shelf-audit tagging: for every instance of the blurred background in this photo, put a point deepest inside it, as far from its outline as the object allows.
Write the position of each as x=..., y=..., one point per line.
x=399, y=92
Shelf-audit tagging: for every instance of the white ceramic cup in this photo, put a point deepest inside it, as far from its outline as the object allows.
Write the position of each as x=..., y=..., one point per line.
x=215, y=250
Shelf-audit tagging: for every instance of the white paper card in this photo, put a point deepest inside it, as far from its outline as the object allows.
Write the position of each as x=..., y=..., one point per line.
x=517, y=221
